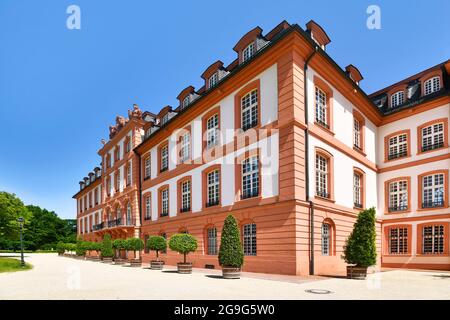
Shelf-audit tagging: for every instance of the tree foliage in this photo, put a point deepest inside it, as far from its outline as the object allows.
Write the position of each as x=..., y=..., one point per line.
x=183, y=243
x=231, y=253
x=156, y=243
x=107, y=249
x=360, y=248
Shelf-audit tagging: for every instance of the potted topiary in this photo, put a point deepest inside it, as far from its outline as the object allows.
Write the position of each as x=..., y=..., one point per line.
x=360, y=248
x=183, y=243
x=97, y=247
x=136, y=245
x=119, y=245
x=80, y=249
x=107, y=250
x=231, y=254
x=156, y=243
x=70, y=248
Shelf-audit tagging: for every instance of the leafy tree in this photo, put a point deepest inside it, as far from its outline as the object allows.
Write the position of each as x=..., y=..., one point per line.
x=183, y=243
x=107, y=250
x=81, y=247
x=11, y=208
x=60, y=247
x=231, y=253
x=360, y=248
x=135, y=244
x=156, y=243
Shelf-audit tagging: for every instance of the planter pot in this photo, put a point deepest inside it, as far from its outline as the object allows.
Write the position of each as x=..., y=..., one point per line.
x=184, y=268
x=156, y=265
x=81, y=257
x=94, y=258
x=231, y=272
x=107, y=259
x=119, y=261
x=135, y=263
x=358, y=273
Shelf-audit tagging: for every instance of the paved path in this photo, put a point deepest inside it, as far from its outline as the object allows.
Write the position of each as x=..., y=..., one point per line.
x=56, y=277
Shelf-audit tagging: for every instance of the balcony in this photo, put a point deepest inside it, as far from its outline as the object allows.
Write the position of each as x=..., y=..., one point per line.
x=433, y=204
x=433, y=146
x=397, y=208
x=99, y=226
x=397, y=155
x=250, y=194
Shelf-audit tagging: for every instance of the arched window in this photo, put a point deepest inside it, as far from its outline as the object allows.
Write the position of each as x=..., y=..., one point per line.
x=211, y=235
x=249, y=110
x=326, y=231
x=397, y=98
x=432, y=85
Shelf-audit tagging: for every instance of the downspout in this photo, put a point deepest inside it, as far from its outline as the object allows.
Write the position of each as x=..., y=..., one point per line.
x=311, y=203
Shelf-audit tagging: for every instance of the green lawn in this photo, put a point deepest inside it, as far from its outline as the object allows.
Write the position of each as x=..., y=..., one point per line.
x=11, y=265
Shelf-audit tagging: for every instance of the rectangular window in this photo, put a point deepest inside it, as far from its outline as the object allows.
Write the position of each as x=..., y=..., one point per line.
x=433, y=239
x=398, y=146
x=185, y=150
x=357, y=199
x=250, y=239
x=186, y=102
x=129, y=173
x=357, y=134
x=433, y=191
x=213, y=188
x=212, y=81
x=148, y=208
x=248, y=52
x=322, y=176
x=164, y=158
x=249, y=110
x=128, y=145
x=108, y=186
x=117, y=181
x=186, y=196
x=398, y=196
x=325, y=239
x=165, y=118
x=250, y=177
x=147, y=168
x=321, y=108
x=433, y=137
x=96, y=196
x=212, y=128
x=212, y=241
x=398, y=241
x=164, y=202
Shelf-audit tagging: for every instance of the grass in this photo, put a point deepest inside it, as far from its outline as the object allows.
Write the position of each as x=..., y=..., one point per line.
x=11, y=265
x=28, y=251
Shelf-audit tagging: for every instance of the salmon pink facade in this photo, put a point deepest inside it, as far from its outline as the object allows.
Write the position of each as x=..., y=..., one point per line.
x=287, y=142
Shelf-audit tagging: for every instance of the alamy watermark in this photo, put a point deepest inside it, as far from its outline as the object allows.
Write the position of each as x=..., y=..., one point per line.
x=73, y=21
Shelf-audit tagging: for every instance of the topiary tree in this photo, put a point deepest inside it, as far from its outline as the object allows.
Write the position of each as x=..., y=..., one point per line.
x=107, y=250
x=119, y=244
x=231, y=253
x=183, y=243
x=360, y=248
x=80, y=247
x=156, y=243
x=135, y=244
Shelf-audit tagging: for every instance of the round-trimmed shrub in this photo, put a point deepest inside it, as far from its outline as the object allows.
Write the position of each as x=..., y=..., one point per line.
x=231, y=253
x=183, y=243
x=156, y=243
x=81, y=247
x=107, y=250
x=60, y=247
x=360, y=248
x=119, y=244
x=135, y=244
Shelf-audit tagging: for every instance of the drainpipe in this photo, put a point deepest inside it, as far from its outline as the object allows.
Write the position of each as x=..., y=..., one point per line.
x=311, y=203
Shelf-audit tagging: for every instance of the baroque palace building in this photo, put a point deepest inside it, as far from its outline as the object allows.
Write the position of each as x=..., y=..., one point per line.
x=287, y=142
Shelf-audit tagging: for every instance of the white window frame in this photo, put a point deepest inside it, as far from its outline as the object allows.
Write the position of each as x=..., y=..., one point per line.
x=165, y=157
x=398, y=146
x=249, y=109
x=432, y=85
x=250, y=177
x=129, y=217
x=212, y=241
x=165, y=202
x=148, y=207
x=321, y=108
x=248, y=52
x=213, y=187
x=213, y=80
x=433, y=190
x=186, y=101
x=357, y=133
x=129, y=173
x=433, y=136
x=398, y=195
x=212, y=131
x=322, y=176
x=186, y=195
x=185, y=148
x=398, y=240
x=433, y=237
x=397, y=98
x=357, y=188
x=147, y=168
x=326, y=239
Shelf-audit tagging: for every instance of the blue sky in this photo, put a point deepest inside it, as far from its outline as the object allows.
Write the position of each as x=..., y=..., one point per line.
x=60, y=89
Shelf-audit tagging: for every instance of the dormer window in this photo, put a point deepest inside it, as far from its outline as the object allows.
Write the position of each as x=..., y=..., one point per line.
x=165, y=118
x=432, y=85
x=212, y=81
x=186, y=102
x=248, y=52
x=397, y=99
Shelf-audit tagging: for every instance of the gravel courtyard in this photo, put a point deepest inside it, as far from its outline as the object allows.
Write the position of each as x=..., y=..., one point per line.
x=54, y=277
